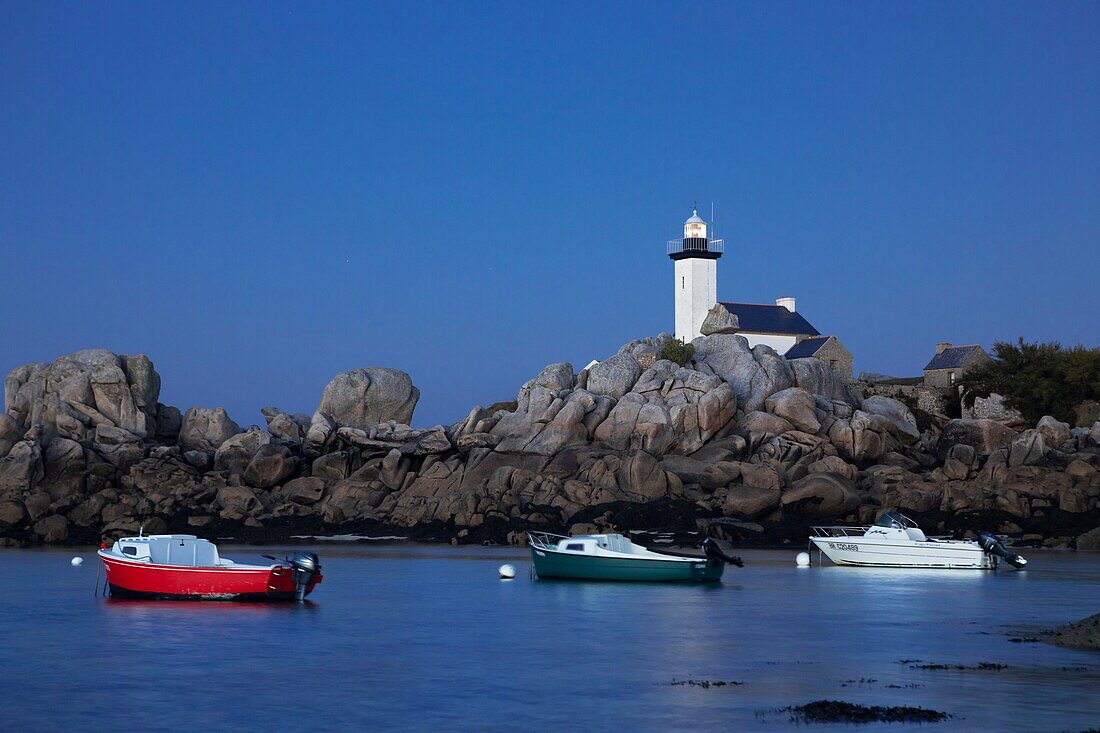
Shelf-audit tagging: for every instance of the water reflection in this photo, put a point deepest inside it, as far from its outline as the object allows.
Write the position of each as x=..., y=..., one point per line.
x=429, y=638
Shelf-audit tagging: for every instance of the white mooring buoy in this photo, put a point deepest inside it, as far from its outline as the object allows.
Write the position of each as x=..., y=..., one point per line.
x=802, y=560
x=507, y=572
x=78, y=561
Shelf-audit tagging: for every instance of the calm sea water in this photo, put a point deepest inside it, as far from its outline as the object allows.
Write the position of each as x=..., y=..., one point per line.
x=411, y=637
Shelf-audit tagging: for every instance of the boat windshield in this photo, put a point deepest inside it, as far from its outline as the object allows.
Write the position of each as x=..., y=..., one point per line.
x=895, y=520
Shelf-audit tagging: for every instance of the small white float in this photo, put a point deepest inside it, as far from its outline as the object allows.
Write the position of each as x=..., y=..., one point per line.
x=78, y=561
x=507, y=572
x=802, y=560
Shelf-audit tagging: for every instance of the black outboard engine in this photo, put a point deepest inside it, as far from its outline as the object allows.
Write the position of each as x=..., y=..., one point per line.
x=304, y=565
x=715, y=552
x=989, y=542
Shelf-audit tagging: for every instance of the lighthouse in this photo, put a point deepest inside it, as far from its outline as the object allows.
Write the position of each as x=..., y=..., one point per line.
x=695, y=257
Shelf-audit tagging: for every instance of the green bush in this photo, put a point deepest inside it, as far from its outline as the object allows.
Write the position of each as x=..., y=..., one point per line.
x=677, y=351
x=1037, y=379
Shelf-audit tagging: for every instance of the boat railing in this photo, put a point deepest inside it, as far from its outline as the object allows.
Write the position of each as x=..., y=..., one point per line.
x=839, y=531
x=544, y=540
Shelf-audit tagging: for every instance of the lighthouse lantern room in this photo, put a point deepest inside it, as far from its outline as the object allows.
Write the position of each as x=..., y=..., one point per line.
x=696, y=258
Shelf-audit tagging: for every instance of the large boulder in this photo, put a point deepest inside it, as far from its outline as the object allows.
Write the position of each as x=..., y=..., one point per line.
x=119, y=447
x=902, y=425
x=65, y=465
x=753, y=374
x=548, y=420
x=237, y=451
x=821, y=495
x=698, y=405
x=168, y=423
x=555, y=377
x=238, y=502
x=1054, y=431
x=719, y=320
x=10, y=433
x=762, y=423
x=82, y=390
x=13, y=513
x=751, y=501
x=860, y=439
x=984, y=436
x=363, y=397
x=321, y=435
x=1089, y=541
x=833, y=464
x=52, y=529
x=818, y=377
x=306, y=490
x=271, y=465
x=613, y=377
x=1027, y=449
x=205, y=429
x=291, y=428
x=635, y=423
x=641, y=478
x=796, y=406
x=691, y=471
x=22, y=468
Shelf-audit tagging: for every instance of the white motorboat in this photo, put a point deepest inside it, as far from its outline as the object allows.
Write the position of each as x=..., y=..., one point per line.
x=896, y=541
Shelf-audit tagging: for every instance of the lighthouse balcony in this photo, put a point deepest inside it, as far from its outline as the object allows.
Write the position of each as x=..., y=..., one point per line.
x=682, y=249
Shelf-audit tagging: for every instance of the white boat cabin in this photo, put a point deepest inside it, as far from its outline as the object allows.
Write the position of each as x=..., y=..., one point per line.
x=895, y=526
x=591, y=544
x=171, y=549
x=598, y=545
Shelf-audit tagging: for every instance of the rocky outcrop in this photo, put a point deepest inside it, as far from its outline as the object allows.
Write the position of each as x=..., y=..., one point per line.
x=204, y=429
x=719, y=320
x=738, y=442
x=363, y=397
x=984, y=436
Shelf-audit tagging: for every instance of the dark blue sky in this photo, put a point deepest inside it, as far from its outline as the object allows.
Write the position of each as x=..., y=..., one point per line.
x=261, y=195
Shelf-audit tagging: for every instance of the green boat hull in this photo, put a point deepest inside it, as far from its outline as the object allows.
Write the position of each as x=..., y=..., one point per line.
x=587, y=567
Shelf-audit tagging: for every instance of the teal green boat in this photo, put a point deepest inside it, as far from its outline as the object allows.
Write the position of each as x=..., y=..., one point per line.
x=614, y=557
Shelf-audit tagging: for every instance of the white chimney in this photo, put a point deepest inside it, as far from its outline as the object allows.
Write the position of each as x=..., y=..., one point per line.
x=787, y=303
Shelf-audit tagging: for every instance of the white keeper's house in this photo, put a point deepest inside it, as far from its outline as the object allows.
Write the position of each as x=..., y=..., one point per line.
x=699, y=312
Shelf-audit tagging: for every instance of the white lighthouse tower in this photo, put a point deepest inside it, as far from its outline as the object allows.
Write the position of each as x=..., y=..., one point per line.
x=696, y=257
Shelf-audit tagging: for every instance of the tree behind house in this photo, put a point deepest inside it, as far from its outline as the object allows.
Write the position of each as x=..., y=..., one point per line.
x=1037, y=379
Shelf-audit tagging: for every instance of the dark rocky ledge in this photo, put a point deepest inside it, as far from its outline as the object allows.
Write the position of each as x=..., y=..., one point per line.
x=740, y=444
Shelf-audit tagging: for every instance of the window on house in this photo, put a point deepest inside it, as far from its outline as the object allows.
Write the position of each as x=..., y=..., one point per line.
x=682, y=282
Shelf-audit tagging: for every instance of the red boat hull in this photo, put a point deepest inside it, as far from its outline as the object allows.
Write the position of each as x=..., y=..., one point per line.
x=144, y=580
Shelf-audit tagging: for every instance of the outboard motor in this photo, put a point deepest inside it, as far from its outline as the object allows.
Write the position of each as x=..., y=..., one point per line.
x=989, y=542
x=304, y=565
x=714, y=552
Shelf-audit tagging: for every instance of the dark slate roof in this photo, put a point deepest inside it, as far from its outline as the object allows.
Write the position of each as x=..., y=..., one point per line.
x=762, y=318
x=953, y=357
x=806, y=347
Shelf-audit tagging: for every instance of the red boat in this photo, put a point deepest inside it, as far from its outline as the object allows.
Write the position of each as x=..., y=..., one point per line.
x=182, y=566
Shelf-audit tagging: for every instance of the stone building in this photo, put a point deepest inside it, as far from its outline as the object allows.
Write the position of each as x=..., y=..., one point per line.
x=828, y=349
x=951, y=362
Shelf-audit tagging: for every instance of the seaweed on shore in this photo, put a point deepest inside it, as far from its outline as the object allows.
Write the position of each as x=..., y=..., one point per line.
x=979, y=667
x=705, y=684
x=837, y=711
x=1084, y=634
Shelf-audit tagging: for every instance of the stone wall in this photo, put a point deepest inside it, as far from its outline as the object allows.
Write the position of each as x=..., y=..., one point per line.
x=929, y=400
x=838, y=357
x=992, y=408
